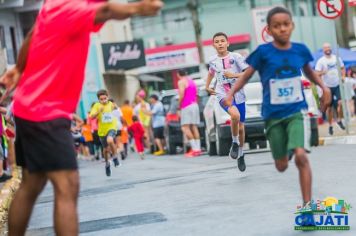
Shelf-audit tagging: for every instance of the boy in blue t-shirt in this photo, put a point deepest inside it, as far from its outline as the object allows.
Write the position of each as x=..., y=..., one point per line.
x=280, y=66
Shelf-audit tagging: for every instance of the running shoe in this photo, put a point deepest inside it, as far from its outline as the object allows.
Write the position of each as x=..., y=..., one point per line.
x=241, y=163
x=341, y=125
x=159, y=153
x=189, y=154
x=108, y=170
x=234, y=151
x=116, y=162
x=331, y=130
x=123, y=155
x=197, y=153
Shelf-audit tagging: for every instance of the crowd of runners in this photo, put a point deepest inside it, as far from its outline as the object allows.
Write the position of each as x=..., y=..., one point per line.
x=46, y=128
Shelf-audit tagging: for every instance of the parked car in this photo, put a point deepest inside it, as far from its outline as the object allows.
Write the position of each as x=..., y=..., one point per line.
x=218, y=122
x=173, y=132
x=166, y=97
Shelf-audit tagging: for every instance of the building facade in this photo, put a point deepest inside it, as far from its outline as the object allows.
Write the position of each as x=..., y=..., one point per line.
x=169, y=35
x=16, y=19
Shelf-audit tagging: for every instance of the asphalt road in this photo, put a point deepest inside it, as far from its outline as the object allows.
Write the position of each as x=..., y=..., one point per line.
x=173, y=195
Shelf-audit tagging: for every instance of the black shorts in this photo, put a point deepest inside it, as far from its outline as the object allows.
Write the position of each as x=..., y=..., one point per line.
x=158, y=133
x=45, y=146
x=335, y=96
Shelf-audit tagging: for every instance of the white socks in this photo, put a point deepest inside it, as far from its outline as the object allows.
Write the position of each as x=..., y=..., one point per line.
x=235, y=139
x=198, y=145
x=195, y=144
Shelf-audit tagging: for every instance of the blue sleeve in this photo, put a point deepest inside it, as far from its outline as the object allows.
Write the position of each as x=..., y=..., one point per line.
x=254, y=59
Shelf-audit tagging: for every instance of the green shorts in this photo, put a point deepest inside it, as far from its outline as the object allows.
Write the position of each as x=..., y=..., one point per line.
x=286, y=134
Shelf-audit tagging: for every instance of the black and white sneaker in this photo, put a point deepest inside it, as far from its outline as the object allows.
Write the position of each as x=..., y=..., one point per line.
x=234, y=151
x=108, y=170
x=241, y=163
x=341, y=125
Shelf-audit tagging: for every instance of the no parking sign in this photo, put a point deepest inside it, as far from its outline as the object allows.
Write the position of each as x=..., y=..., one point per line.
x=331, y=9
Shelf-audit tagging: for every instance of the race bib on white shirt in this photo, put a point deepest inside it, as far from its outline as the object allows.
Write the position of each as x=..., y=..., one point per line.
x=284, y=91
x=106, y=118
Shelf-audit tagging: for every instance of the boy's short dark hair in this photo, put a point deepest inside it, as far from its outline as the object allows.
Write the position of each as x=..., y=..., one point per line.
x=127, y=102
x=220, y=34
x=182, y=72
x=111, y=100
x=154, y=96
x=102, y=92
x=134, y=118
x=277, y=10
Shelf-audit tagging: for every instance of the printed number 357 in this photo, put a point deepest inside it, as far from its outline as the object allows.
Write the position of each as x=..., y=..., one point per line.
x=285, y=92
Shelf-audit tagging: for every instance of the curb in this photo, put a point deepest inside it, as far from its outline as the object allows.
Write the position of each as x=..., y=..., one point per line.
x=6, y=195
x=337, y=140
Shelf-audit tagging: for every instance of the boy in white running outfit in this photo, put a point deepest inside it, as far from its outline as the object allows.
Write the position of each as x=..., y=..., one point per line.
x=227, y=67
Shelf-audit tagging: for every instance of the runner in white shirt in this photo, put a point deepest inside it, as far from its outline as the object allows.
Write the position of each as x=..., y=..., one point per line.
x=227, y=67
x=326, y=67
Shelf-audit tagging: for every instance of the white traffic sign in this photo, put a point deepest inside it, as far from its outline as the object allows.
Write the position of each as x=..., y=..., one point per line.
x=330, y=9
x=260, y=24
x=266, y=37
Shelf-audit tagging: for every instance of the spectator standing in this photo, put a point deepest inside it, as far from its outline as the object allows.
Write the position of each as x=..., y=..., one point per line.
x=158, y=122
x=127, y=112
x=350, y=87
x=88, y=138
x=145, y=119
x=190, y=115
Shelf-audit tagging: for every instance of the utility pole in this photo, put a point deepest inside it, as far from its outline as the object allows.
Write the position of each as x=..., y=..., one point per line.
x=193, y=6
x=342, y=28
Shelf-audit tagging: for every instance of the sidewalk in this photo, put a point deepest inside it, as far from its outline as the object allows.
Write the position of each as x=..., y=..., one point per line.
x=7, y=191
x=339, y=137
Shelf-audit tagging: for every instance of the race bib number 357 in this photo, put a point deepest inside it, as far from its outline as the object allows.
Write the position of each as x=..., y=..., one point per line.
x=284, y=91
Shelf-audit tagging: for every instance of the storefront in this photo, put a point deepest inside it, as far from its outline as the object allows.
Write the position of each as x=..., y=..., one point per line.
x=164, y=61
